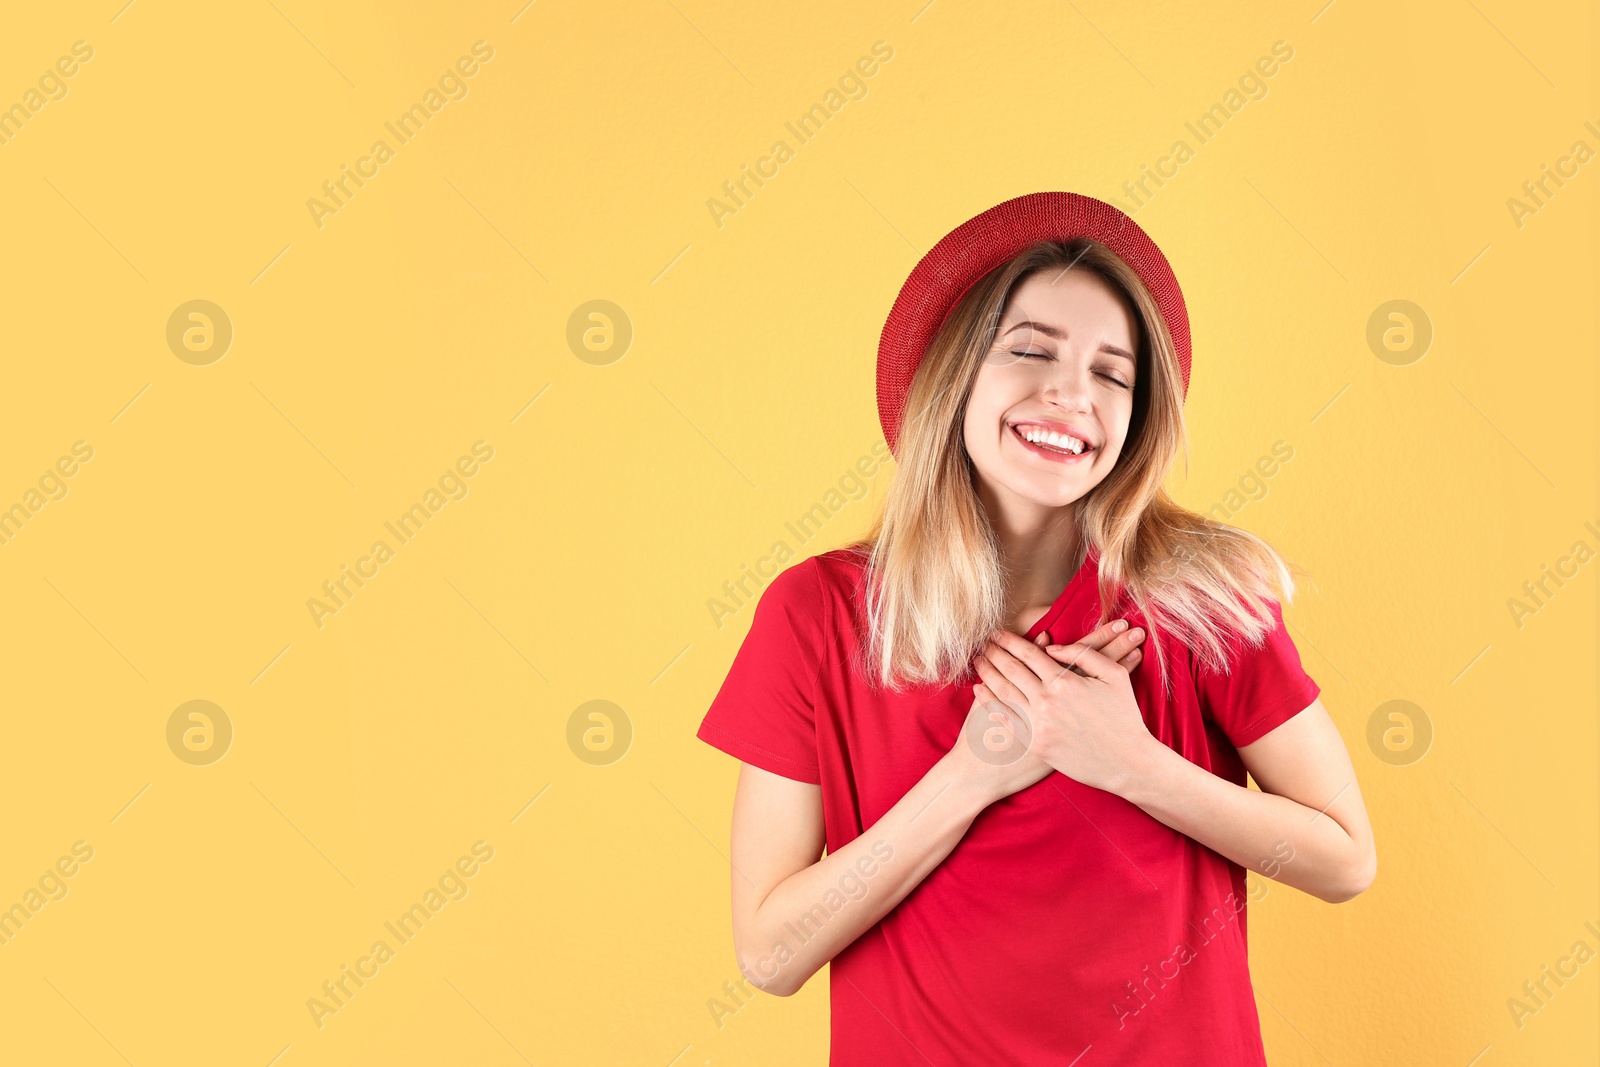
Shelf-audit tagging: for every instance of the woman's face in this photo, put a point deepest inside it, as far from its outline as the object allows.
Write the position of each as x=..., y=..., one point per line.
x=1063, y=362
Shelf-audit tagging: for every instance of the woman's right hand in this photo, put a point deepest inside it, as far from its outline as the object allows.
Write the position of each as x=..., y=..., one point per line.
x=993, y=752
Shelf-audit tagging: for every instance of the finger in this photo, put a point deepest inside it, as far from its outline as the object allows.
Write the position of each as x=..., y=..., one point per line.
x=1044, y=642
x=1094, y=664
x=1098, y=637
x=1011, y=680
x=1065, y=658
x=1027, y=656
x=1116, y=648
x=982, y=694
x=1103, y=634
x=996, y=709
x=1072, y=657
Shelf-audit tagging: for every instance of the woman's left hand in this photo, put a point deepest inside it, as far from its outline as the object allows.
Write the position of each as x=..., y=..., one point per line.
x=1086, y=725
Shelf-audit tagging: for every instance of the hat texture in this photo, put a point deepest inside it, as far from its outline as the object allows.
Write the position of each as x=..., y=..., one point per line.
x=964, y=255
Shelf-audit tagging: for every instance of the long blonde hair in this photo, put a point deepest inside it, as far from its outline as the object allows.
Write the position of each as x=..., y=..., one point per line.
x=935, y=582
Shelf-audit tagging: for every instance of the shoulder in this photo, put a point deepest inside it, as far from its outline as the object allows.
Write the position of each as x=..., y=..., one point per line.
x=1262, y=637
x=816, y=584
x=818, y=595
x=841, y=566
x=797, y=584
x=1263, y=621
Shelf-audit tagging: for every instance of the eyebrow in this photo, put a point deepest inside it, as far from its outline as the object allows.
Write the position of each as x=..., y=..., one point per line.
x=1061, y=335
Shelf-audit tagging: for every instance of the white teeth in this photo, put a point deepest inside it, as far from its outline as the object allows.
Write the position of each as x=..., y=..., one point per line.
x=1054, y=440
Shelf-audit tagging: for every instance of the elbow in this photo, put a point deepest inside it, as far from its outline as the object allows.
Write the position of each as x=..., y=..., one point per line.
x=769, y=974
x=1358, y=878
x=773, y=978
x=775, y=987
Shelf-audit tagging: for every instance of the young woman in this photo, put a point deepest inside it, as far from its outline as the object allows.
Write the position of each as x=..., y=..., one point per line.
x=1020, y=713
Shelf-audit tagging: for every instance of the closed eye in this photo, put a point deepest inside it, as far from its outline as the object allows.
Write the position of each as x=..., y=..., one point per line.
x=1046, y=355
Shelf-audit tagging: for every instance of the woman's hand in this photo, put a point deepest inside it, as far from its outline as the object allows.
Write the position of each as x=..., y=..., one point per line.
x=1075, y=704
x=996, y=746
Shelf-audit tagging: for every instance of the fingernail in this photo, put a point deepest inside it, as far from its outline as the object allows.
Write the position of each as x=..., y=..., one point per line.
x=1136, y=634
x=1119, y=626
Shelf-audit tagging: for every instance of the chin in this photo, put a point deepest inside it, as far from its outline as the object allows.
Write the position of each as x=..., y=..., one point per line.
x=1046, y=496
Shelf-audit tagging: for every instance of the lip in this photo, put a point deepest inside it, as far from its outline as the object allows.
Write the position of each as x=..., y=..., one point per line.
x=1058, y=427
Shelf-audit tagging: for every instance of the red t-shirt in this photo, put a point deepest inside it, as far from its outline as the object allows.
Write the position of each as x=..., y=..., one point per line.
x=1066, y=918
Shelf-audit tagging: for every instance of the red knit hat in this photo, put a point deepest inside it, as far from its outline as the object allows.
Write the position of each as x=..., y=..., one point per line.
x=983, y=242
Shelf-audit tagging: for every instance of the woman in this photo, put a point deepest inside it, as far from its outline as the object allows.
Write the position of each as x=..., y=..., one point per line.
x=1036, y=849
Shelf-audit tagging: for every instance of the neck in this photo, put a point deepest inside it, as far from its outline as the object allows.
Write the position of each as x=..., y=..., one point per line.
x=1041, y=549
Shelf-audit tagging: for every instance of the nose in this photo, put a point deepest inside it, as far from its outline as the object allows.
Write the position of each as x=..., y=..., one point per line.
x=1069, y=385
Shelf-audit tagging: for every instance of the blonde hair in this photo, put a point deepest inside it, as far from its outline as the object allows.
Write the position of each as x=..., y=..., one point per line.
x=935, y=582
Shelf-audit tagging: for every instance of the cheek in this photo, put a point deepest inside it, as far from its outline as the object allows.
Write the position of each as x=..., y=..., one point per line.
x=1119, y=417
x=982, y=415
x=969, y=428
x=994, y=392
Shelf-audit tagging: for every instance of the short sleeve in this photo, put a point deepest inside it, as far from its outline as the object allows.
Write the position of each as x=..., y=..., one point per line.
x=765, y=711
x=1265, y=686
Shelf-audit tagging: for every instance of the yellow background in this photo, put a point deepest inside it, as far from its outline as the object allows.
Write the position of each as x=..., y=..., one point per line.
x=428, y=313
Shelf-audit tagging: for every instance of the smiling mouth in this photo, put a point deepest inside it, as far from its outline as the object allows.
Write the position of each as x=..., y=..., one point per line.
x=1051, y=445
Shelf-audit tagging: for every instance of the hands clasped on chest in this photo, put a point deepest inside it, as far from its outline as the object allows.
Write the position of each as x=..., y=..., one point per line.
x=1068, y=708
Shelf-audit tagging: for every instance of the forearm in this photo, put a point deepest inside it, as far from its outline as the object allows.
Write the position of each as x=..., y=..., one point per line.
x=815, y=913
x=1294, y=844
